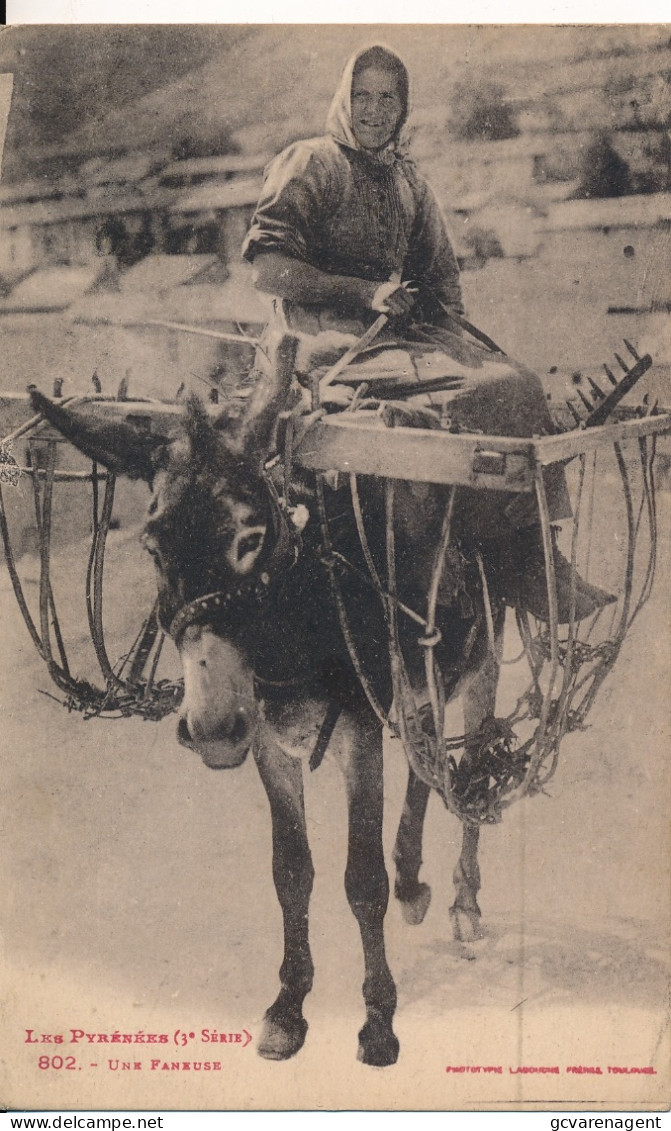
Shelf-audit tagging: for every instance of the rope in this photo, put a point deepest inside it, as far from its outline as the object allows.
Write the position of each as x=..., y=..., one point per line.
x=118, y=699
x=15, y=580
x=341, y=608
x=47, y=604
x=381, y=592
x=432, y=635
x=363, y=539
x=568, y=665
x=491, y=635
x=412, y=734
x=649, y=501
x=615, y=645
x=98, y=555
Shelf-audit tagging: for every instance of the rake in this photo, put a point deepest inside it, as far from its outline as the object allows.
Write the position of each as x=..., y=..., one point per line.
x=600, y=405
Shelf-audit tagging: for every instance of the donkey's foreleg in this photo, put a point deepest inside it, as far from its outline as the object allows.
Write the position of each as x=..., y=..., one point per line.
x=479, y=700
x=367, y=885
x=284, y=1026
x=413, y=896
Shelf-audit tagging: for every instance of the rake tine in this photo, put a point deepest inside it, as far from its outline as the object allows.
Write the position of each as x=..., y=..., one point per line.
x=610, y=375
x=631, y=349
x=653, y=409
x=602, y=411
x=622, y=363
x=588, y=405
x=575, y=414
x=597, y=392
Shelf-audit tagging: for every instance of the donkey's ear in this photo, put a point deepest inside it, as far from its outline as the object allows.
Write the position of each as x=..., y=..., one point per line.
x=270, y=395
x=115, y=444
x=201, y=431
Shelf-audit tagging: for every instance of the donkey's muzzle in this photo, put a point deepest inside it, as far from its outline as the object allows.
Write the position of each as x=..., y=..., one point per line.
x=222, y=749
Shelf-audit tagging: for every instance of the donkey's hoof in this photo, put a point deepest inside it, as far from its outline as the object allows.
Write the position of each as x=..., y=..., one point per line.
x=466, y=926
x=378, y=1045
x=415, y=908
x=280, y=1042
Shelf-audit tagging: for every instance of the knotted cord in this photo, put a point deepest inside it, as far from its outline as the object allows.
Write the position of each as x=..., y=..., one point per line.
x=118, y=697
x=566, y=672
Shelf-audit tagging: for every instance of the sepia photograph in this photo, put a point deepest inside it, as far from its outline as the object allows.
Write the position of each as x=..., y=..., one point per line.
x=335, y=507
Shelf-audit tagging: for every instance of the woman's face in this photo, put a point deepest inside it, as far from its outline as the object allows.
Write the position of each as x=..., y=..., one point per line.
x=376, y=107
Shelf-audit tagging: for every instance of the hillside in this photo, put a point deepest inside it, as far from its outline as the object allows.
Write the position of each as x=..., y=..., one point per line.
x=267, y=85
x=276, y=83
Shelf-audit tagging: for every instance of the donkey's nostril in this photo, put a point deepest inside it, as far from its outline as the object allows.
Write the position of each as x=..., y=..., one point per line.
x=240, y=728
x=183, y=733
x=234, y=731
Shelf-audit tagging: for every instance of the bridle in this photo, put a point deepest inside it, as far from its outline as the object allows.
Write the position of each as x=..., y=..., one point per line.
x=250, y=595
x=221, y=605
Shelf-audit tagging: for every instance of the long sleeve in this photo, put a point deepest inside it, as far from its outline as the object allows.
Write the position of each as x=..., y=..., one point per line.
x=431, y=261
x=296, y=197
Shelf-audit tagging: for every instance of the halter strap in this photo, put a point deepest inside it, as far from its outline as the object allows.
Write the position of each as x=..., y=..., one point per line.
x=205, y=609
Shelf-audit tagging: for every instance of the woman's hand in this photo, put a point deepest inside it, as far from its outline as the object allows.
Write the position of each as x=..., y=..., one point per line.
x=395, y=299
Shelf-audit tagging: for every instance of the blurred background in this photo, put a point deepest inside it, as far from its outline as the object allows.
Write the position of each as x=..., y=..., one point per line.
x=134, y=158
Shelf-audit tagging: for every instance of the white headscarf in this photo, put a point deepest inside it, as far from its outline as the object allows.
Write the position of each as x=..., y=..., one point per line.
x=339, y=118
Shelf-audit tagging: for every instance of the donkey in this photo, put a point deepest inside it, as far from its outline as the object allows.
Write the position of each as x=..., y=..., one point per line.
x=267, y=667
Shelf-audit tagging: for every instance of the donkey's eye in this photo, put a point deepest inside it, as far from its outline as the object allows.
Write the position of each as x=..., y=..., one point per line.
x=153, y=507
x=250, y=543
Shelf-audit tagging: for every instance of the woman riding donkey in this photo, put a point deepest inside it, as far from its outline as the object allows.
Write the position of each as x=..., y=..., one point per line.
x=347, y=228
